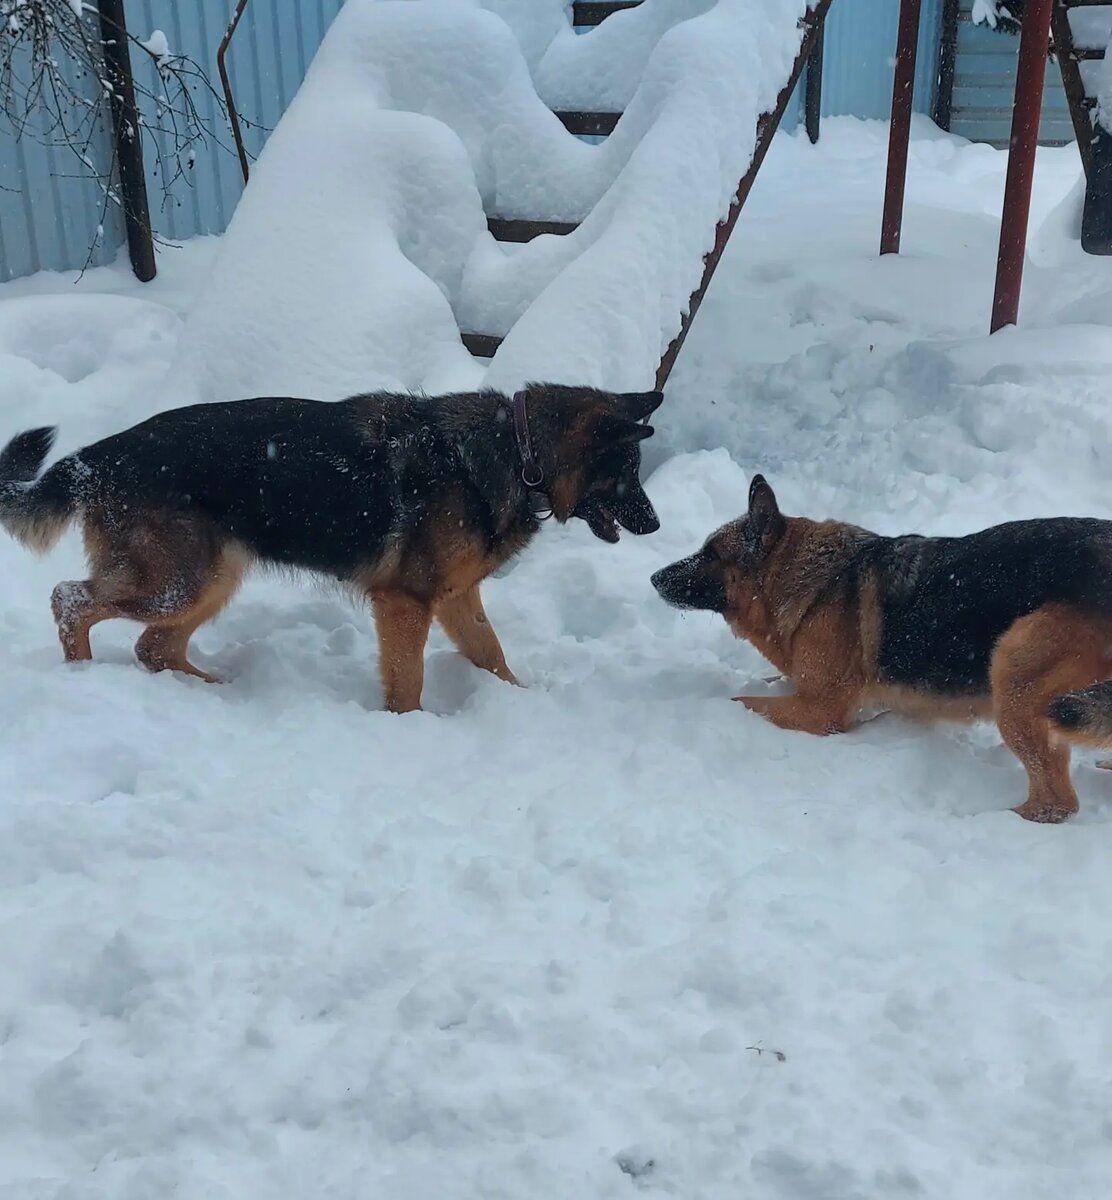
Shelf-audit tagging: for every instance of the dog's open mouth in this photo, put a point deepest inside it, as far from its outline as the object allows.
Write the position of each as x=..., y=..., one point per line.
x=603, y=523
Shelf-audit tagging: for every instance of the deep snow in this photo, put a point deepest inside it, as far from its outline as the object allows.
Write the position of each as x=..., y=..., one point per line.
x=610, y=934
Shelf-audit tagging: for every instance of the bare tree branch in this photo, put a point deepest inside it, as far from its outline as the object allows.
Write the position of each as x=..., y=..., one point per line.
x=54, y=89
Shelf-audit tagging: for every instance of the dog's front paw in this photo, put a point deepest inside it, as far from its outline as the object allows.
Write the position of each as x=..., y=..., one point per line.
x=1045, y=812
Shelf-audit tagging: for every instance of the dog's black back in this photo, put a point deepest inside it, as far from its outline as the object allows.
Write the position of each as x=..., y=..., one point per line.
x=946, y=601
x=303, y=482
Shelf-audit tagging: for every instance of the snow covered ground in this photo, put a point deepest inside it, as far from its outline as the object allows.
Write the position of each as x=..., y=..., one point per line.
x=610, y=935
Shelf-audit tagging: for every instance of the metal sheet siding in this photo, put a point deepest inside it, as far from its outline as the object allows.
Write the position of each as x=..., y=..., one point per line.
x=984, y=86
x=269, y=55
x=859, y=60
x=52, y=217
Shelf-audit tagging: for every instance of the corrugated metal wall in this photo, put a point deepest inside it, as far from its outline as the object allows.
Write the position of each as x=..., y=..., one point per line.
x=52, y=216
x=860, y=57
x=272, y=48
x=49, y=221
x=984, y=86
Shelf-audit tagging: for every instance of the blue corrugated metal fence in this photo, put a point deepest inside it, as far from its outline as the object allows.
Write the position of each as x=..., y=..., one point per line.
x=49, y=218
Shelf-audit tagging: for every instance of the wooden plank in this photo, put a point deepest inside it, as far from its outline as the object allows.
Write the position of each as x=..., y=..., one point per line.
x=515, y=229
x=482, y=345
x=947, y=65
x=812, y=99
x=594, y=12
x=1062, y=35
x=1096, y=220
x=590, y=124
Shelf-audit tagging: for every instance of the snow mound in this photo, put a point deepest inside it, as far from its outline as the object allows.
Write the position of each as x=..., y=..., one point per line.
x=609, y=935
x=360, y=247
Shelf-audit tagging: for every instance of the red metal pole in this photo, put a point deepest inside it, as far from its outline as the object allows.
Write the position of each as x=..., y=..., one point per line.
x=899, y=134
x=1029, y=81
x=229, y=99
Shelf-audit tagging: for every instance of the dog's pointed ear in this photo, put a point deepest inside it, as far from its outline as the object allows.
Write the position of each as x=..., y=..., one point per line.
x=613, y=430
x=766, y=522
x=639, y=405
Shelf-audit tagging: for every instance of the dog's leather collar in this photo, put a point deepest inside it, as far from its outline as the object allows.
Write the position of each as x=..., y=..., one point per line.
x=532, y=474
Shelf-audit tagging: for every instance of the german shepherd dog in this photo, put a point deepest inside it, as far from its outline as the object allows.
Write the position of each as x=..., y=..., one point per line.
x=410, y=501
x=1013, y=624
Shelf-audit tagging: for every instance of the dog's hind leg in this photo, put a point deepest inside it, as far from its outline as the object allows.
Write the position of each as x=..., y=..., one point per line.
x=169, y=571
x=403, y=624
x=164, y=644
x=78, y=605
x=1055, y=650
x=464, y=620
x=825, y=714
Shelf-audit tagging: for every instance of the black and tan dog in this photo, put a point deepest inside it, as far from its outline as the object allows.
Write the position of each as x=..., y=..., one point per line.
x=1013, y=624
x=410, y=501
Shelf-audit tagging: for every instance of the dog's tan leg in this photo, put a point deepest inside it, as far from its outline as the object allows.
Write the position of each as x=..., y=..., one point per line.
x=465, y=621
x=77, y=607
x=166, y=648
x=1054, y=650
x=164, y=644
x=403, y=628
x=831, y=713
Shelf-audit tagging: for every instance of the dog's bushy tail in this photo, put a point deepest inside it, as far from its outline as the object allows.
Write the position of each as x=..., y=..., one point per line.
x=1086, y=714
x=34, y=511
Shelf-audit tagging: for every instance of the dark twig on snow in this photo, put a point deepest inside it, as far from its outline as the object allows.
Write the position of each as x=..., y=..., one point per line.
x=779, y=1055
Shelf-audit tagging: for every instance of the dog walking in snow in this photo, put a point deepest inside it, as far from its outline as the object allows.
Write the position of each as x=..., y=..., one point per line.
x=410, y=501
x=1013, y=624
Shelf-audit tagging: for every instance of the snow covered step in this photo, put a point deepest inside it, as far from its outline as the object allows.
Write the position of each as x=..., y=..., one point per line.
x=590, y=124
x=594, y=12
x=519, y=229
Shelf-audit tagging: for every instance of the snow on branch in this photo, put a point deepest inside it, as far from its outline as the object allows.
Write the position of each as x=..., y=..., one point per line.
x=1002, y=15
x=56, y=89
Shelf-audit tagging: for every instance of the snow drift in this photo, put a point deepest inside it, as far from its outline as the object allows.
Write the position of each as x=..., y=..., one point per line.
x=360, y=247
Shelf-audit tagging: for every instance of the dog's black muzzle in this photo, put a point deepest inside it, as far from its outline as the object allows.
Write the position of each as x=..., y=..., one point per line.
x=689, y=584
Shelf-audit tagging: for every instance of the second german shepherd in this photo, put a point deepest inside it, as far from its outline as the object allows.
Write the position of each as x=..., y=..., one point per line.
x=411, y=501
x=1013, y=623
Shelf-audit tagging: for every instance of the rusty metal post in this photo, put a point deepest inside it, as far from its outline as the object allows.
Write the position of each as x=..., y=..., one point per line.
x=1026, y=113
x=899, y=134
x=229, y=99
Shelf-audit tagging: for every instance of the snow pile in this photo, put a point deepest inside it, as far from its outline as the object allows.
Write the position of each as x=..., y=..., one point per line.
x=1092, y=30
x=360, y=247
x=1091, y=27
x=608, y=934
x=994, y=13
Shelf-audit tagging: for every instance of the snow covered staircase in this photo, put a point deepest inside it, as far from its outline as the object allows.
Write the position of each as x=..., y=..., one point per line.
x=1081, y=33
x=588, y=13
x=586, y=123
x=585, y=14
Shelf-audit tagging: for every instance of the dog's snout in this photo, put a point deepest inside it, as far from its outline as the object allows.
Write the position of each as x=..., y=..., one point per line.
x=686, y=584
